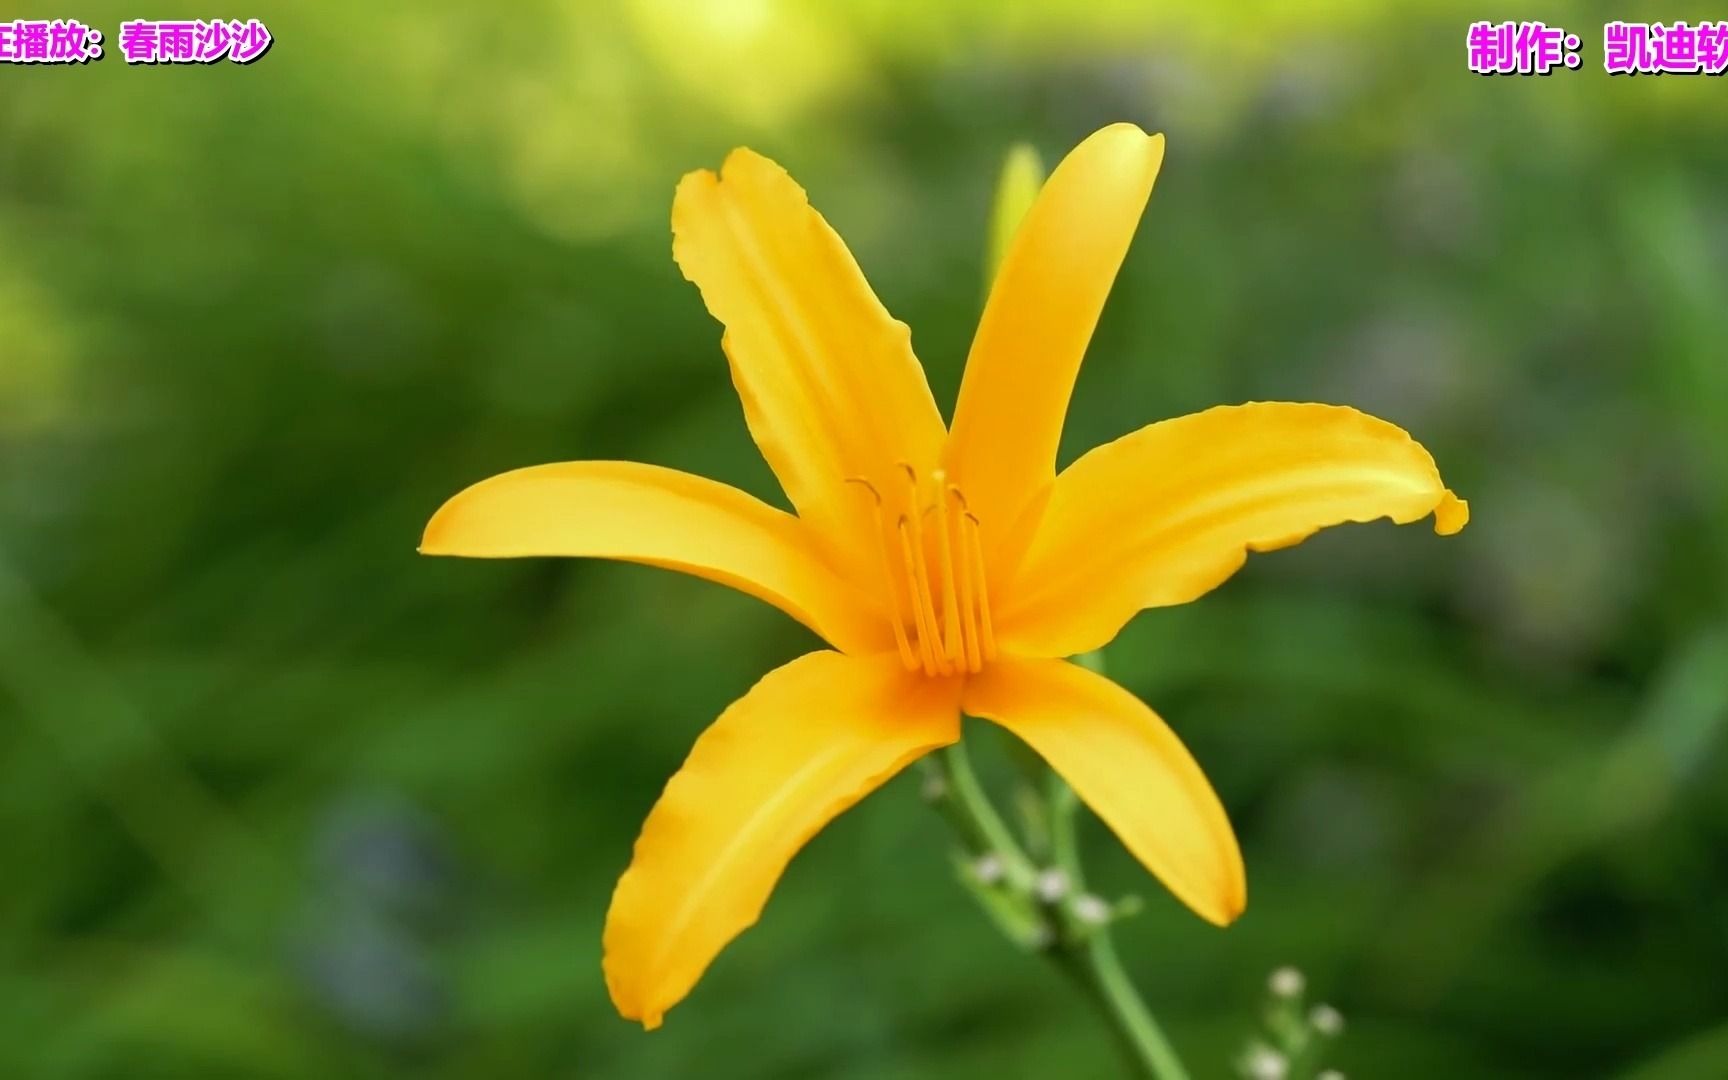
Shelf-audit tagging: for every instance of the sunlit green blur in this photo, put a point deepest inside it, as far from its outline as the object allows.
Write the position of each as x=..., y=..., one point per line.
x=279, y=798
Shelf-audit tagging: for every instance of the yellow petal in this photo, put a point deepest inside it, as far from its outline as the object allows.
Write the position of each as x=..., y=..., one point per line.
x=1166, y=514
x=1040, y=316
x=807, y=742
x=830, y=386
x=661, y=517
x=1129, y=767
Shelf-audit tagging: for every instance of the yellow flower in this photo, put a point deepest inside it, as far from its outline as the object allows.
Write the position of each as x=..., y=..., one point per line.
x=951, y=569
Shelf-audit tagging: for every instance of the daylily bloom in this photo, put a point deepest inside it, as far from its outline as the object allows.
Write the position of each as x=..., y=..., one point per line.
x=950, y=568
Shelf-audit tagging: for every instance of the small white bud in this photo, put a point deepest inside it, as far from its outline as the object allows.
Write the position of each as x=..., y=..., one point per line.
x=1052, y=885
x=934, y=788
x=1326, y=1020
x=988, y=868
x=1091, y=910
x=1265, y=1063
x=1330, y=1074
x=1286, y=982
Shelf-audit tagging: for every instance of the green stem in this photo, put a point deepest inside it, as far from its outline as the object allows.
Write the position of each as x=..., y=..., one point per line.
x=1085, y=953
x=1093, y=959
x=969, y=808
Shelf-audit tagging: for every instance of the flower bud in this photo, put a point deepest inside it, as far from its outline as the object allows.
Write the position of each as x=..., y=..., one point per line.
x=1326, y=1020
x=1052, y=885
x=1091, y=910
x=1265, y=1063
x=1286, y=982
x=988, y=868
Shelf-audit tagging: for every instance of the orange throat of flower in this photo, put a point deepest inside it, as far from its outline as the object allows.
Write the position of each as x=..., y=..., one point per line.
x=933, y=574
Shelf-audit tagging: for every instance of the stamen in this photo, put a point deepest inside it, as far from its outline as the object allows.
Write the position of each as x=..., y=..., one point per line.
x=920, y=572
x=968, y=591
x=975, y=556
x=952, y=646
x=896, y=616
x=954, y=632
x=923, y=610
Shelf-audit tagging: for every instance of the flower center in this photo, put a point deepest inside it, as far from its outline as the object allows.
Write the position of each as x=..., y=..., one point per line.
x=933, y=570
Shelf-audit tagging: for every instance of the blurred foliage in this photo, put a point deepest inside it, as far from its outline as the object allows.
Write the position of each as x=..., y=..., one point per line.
x=280, y=799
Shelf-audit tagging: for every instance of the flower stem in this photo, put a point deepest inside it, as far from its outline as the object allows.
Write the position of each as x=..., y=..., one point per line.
x=1094, y=961
x=1083, y=950
x=969, y=808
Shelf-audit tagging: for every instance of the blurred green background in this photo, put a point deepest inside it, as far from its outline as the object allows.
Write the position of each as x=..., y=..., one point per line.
x=280, y=799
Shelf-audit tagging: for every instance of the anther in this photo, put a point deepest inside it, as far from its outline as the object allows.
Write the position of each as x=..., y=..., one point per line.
x=868, y=486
